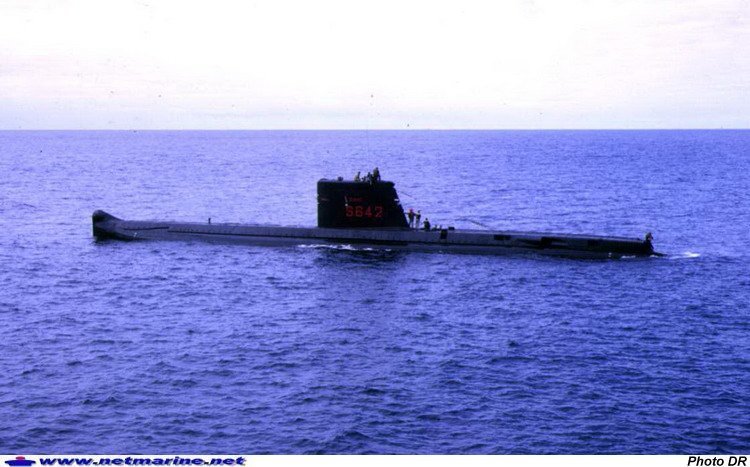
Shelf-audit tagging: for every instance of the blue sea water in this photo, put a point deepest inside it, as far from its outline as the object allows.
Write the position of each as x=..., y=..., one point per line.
x=194, y=347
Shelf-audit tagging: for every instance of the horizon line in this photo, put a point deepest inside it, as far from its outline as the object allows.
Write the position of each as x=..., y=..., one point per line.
x=378, y=129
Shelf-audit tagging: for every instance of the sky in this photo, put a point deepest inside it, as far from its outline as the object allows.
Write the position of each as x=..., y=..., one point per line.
x=329, y=64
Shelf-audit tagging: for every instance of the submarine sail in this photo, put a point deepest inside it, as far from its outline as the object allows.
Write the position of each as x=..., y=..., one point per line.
x=348, y=204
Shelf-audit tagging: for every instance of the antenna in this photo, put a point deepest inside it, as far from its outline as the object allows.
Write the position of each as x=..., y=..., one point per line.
x=369, y=125
x=489, y=227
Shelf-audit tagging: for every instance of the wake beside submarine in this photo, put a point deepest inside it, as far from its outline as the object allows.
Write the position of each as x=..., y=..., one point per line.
x=369, y=214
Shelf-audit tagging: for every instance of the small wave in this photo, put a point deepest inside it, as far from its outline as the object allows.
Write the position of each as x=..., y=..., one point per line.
x=327, y=247
x=339, y=247
x=685, y=255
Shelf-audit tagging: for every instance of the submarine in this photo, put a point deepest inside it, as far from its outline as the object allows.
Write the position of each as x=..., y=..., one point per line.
x=368, y=213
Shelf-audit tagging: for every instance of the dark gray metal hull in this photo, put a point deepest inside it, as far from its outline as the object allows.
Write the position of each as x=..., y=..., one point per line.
x=459, y=241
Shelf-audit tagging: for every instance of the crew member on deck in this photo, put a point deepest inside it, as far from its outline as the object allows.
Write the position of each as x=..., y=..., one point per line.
x=357, y=178
x=376, y=175
x=418, y=217
x=410, y=215
x=649, y=238
x=427, y=224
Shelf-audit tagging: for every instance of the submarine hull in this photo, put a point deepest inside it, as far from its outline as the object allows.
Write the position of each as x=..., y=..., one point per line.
x=106, y=226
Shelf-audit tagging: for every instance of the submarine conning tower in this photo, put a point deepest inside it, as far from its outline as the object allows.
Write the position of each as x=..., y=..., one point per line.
x=346, y=204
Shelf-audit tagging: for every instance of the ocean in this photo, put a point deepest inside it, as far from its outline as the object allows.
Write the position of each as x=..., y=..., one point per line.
x=115, y=347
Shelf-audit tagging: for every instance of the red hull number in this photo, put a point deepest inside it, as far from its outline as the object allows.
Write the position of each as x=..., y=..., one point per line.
x=364, y=211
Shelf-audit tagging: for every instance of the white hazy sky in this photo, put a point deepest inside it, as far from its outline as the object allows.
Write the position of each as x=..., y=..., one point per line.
x=377, y=64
